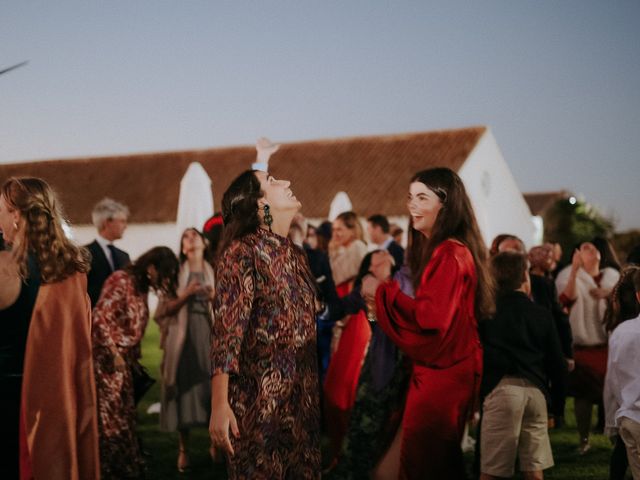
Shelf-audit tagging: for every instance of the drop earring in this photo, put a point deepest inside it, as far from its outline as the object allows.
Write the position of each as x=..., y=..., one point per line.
x=268, y=219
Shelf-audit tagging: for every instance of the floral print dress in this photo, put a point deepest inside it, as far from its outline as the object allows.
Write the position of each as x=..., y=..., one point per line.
x=264, y=337
x=119, y=319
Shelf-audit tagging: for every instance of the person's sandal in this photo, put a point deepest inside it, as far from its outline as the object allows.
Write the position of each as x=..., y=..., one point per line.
x=183, y=461
x=584, y=447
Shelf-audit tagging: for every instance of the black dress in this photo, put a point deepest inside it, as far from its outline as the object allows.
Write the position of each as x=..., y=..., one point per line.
x=14, y=325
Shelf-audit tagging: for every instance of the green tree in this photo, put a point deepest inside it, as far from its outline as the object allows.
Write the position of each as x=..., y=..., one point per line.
x=572, y=221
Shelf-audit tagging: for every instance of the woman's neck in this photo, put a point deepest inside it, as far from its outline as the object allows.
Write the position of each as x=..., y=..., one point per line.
x=594, y=270
x=281, y=223
x=195, y=262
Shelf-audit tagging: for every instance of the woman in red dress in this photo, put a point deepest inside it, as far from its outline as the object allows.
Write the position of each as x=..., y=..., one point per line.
x=351, y=334
x=438, y=329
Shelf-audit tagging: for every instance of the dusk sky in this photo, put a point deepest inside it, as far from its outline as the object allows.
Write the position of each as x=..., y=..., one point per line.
x=558, y=83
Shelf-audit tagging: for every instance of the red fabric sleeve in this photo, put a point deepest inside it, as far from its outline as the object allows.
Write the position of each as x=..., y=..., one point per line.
x=418, y=325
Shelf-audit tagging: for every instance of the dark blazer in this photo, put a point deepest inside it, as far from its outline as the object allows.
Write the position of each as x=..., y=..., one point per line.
x=397, y=252
x=101, y=269
x=522, y=340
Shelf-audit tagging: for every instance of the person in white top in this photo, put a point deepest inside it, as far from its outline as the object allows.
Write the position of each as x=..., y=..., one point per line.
x=622, y=383
x=583, y=289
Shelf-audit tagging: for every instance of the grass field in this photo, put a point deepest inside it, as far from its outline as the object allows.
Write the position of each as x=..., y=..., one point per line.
x=163, y=446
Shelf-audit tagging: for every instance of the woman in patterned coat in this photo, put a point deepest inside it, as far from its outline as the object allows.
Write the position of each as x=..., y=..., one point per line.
x=119, y=321
x=265, y=391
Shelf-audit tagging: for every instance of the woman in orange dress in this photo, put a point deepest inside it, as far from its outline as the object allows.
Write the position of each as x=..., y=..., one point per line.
x=45, y=352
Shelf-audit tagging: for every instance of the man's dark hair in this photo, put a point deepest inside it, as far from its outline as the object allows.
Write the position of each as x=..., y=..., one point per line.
x=381, y=221
x=509, y=270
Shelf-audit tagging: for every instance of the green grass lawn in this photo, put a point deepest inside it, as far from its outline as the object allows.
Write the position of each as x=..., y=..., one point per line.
x=163, y=446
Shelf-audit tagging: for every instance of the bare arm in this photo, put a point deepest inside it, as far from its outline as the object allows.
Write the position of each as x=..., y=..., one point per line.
x=570, y=289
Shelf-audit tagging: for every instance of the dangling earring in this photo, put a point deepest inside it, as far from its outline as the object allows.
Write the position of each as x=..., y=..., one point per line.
x=15, y=225
x=268, y=219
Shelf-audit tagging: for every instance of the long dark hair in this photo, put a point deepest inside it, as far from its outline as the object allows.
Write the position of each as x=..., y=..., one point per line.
x=165, y=263
x=240, y=208
x=608, y=257
x=623, y=304
x=455, y=220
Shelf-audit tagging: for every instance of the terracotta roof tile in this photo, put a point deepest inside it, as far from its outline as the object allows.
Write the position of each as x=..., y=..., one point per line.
x=539, y=202
x=374, y=171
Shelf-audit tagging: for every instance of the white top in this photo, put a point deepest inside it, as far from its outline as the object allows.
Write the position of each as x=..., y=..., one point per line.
x=587, y=312
x=103, y=242
x=622, y=383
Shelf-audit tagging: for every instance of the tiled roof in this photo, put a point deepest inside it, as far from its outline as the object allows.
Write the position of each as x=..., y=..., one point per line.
x=540, y=201
x=374, y=171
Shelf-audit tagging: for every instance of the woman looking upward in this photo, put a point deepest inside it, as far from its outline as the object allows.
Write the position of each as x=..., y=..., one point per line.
x=265, y=392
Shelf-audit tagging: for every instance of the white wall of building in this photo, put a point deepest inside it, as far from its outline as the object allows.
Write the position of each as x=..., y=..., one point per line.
x=497, y=201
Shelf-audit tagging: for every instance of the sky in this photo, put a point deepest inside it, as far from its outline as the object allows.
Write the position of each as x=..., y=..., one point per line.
x=558, y=83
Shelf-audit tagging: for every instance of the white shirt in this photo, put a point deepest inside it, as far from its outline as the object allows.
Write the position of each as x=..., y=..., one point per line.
x=622, y=383
x=103, y=242
x=586, y=313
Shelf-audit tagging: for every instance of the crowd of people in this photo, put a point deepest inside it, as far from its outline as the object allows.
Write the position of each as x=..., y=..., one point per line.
x=276, y=333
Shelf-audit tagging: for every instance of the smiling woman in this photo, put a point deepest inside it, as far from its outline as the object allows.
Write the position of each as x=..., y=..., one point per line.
x=265, y=388
x=438, y=329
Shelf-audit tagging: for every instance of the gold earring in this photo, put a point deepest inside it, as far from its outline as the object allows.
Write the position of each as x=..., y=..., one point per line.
x=15, y=225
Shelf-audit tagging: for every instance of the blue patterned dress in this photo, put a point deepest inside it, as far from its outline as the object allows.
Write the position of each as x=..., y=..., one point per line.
x=264, y=337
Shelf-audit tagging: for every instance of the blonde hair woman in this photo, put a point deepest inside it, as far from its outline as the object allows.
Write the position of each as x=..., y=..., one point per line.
x=50, y=344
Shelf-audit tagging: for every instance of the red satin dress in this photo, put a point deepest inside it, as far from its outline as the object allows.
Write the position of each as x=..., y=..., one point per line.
x=343, y=372
x=438, y=331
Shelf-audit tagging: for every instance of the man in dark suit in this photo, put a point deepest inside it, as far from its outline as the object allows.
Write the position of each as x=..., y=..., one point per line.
x=379, y=233
x=110, y=218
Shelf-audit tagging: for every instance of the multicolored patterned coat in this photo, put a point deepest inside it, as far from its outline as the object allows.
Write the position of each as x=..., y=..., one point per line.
x=119, y=320
x=264, y=337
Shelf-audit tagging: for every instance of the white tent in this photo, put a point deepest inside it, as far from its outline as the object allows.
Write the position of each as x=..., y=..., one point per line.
x=195, y=203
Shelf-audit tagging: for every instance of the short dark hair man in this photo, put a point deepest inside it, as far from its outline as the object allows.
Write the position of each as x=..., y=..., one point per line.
x=378, y=230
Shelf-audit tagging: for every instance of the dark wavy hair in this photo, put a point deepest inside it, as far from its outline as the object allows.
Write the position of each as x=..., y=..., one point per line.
x=455, y=220
x=623, y=304
x=165, y=263
x=240, y=208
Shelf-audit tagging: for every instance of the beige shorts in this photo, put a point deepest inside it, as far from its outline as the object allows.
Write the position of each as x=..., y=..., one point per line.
x=514, y=424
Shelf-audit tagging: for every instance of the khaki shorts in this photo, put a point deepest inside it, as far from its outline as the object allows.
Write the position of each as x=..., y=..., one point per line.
x=514, y=423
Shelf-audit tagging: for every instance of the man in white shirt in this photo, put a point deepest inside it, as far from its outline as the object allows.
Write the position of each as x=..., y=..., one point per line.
x=110, y=218
x=622, y=383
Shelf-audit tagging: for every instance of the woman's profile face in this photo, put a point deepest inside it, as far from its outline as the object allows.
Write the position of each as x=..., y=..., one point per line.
x=277, y=193
x=8, y=217
x=423, y=205
x=341, y=235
